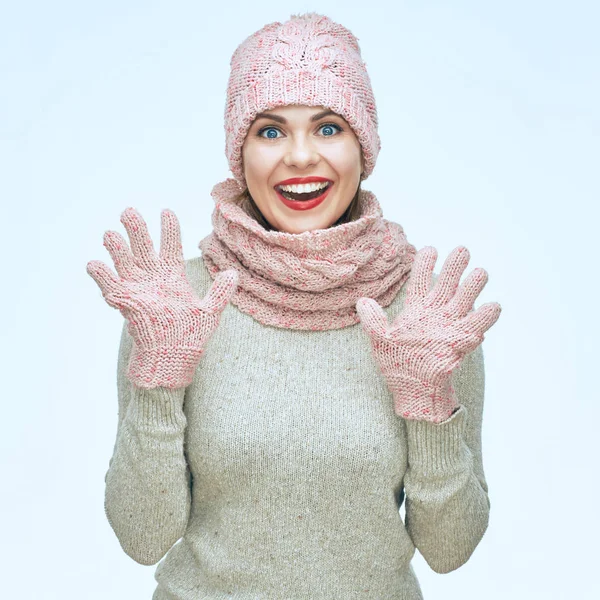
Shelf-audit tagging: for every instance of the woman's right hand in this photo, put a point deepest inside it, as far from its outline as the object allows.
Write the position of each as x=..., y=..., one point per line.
x=168, y=322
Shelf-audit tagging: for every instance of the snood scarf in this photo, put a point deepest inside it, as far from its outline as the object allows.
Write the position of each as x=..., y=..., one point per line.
x=309, y=280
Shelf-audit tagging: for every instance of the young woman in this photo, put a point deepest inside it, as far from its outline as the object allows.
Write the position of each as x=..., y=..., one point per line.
x=272, y=414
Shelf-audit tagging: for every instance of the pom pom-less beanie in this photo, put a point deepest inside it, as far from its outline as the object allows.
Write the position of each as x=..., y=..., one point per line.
x=308, y=60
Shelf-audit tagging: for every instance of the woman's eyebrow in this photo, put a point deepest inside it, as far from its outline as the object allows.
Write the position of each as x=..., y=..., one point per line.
x=323, y=113
x=316, y=117
x=272, y=117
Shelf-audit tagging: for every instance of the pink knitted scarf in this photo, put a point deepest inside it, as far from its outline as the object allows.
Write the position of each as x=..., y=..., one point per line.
x=310, y=280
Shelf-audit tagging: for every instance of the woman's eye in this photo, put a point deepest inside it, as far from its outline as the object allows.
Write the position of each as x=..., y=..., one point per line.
x=270, y=131
x=330, y=129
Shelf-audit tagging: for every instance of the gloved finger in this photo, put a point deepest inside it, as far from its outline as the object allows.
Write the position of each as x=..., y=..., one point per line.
x=139, y=238
x=171, y=249
x=419, y=283
x=482, y=319
x=119, y=251
x=107, y=281
x=221, y=291
x=372, y=316
x=447, y=283
x=467, y=293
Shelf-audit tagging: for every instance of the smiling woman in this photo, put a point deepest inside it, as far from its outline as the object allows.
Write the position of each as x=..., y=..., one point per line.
x=314, y=146
x=280, y=440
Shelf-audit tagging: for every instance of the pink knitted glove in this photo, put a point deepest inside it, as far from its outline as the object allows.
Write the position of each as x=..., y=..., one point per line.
x=168, y=322
x=431, y=336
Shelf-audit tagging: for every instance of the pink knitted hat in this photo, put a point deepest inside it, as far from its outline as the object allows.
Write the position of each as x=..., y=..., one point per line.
x=308, y=60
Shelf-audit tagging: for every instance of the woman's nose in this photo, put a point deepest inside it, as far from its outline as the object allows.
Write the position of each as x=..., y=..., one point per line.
x=301, y=154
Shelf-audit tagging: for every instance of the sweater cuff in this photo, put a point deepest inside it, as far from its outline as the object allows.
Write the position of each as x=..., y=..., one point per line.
x=157, y=408
x=438, y=447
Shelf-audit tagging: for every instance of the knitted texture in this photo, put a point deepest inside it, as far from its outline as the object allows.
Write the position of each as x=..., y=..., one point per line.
x=309, y=280
x=434, y=333
x=308, y=60
x=168, y=321
x=279, y=472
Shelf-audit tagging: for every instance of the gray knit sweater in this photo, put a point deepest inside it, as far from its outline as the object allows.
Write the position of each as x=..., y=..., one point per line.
x=278, y=473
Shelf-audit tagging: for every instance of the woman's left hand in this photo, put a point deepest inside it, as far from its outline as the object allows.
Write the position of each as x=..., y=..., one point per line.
x=431, y=336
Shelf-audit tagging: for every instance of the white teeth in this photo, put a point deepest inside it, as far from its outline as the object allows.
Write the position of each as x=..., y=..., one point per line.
x=303, y=188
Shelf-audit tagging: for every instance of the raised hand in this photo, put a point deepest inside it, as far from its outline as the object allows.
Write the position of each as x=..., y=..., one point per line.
x=168, y=322
x=431, y=336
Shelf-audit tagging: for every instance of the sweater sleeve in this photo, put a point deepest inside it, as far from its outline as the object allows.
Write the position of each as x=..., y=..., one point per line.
x=148, y=483
x=447, y=503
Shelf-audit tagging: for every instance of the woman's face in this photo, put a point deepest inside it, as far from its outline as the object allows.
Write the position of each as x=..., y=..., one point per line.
x=305, y=142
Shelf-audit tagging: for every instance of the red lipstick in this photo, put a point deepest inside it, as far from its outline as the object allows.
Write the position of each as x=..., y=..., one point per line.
x=303, y=204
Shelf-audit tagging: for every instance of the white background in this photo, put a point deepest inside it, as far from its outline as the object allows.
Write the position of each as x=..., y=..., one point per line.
x=490, y=125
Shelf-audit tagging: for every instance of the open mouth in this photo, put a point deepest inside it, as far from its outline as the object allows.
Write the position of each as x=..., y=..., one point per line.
x=304, y=192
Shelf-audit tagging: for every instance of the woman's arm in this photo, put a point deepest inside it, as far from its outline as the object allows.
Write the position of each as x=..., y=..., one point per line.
x=148, y=485
x=447, y=504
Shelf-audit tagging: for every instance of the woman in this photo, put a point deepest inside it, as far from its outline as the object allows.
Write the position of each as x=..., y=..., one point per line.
x=271, y=412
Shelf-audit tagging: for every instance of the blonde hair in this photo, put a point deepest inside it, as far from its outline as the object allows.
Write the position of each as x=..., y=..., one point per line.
x=247, y=204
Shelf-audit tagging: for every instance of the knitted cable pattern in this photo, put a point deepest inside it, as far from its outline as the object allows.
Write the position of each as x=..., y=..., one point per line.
x=310, y=280
x=168, y=322
x=308, y=60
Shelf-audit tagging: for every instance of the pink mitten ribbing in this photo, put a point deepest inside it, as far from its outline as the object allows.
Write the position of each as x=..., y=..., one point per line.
x=431, y=336
x=168, y=322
